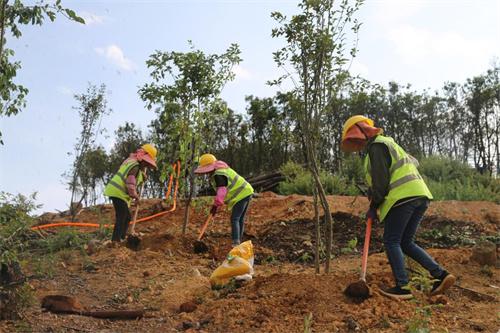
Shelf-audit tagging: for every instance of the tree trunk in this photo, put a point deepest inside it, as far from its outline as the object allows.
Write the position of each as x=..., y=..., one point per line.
x=190, y=181
x=2, y=26
x=317, y=232
x=313, y=167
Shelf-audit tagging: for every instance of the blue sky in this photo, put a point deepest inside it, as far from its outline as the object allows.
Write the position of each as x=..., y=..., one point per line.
x=422, y=42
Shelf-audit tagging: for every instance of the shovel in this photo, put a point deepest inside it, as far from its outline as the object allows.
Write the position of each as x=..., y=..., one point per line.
x=360, y=289
x=199, y=246
x=133, y=241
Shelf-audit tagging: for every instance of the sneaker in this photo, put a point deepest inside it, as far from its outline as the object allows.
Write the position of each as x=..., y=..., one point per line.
x=445, y=281
x=397, y=293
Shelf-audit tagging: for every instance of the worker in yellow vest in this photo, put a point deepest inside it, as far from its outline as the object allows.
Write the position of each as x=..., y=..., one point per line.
x=122, y=188
x=231, y=189
x=397, y=194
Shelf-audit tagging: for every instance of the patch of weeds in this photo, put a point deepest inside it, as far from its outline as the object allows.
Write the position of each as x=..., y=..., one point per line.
x=351, y=246
x=305, y=258
x=103, y=233
x=271, y=260
x=119, y=299
x=229, y=288
x=492, y=238
x=66, y=256
x=88, y=265
x=25, y=296
x=23, y=326
x=136, y=294
x=201, y=205
x=308, y=321
x=384, y=323
x=65, y=239
x=43, y=266
x=447, y=236
x=420, y=286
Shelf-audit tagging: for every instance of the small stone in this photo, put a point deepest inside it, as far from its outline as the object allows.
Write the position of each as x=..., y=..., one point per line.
x=439, y=299
x=352, y=324
x=484, y=253
x=188, y=307
x=146, y=274
x=92, y=246
x=189, y=324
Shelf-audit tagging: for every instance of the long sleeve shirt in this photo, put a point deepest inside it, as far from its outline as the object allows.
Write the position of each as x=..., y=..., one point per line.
x=380, y=162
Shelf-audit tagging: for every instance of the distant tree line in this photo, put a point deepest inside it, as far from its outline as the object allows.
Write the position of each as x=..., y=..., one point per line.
x=462, y=122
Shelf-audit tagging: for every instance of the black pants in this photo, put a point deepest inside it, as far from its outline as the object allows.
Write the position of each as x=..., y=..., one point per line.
x=122, y=219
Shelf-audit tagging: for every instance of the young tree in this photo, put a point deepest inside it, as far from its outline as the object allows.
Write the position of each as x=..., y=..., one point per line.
x=316, y=50
x=94, y=173
x=92, y=108
x=12, y=16
x=186, y=87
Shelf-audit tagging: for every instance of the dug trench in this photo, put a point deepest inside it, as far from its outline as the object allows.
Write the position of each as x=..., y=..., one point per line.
x=293, y=241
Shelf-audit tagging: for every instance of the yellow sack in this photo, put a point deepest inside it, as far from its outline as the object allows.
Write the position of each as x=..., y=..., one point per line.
x=244, y=250
x=239, y=263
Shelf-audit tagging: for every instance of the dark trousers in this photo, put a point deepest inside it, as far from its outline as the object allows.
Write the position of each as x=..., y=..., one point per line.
x=238, y=219
x=400, y=227
x=122, y=219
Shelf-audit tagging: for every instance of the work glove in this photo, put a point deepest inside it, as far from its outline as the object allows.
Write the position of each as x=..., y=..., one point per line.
x=372, y=213
x=213, y=210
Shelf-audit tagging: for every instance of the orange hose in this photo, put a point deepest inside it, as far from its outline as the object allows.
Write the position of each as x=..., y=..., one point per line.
x=96, y=225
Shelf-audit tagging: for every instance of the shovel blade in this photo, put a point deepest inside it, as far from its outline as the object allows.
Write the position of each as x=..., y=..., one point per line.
x=359, y=290
x=200, y=247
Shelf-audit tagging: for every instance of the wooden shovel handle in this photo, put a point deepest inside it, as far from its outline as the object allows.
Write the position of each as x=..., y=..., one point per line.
x=205, y=225
x=137, y=207
x=364, y=260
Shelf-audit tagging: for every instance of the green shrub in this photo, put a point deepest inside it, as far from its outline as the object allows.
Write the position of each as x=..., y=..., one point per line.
x=300, y=181
x=448, y=179
x=15, y=221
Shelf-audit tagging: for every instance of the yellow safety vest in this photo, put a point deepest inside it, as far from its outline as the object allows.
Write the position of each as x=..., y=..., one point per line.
x=237, y=187
x=117, y=186
x=405, y=180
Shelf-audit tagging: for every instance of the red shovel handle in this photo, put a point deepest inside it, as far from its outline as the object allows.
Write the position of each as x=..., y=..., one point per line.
x=364, y=261
x=205, y=225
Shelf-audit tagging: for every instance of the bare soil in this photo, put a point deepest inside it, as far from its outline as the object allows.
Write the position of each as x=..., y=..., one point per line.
x=164, y=273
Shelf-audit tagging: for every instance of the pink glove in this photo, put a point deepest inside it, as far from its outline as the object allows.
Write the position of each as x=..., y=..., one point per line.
x=219, y=197
x=131, y=187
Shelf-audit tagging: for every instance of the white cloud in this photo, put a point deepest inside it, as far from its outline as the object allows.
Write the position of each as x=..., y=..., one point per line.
x=414, y=45
x=115, y=55
x=241, y=73
x=92, y=19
